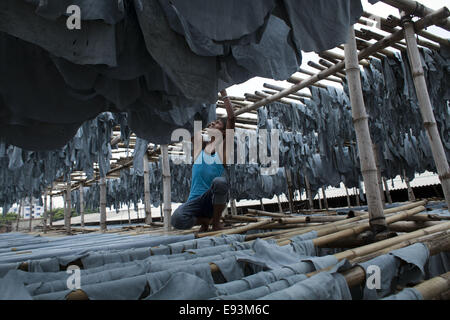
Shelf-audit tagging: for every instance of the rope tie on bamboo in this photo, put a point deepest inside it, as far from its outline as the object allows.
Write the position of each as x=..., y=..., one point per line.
x=376, y=218
x=419, y=10
x=444, y=176
x=428, y=124
x=352, y=69
x=360, y=119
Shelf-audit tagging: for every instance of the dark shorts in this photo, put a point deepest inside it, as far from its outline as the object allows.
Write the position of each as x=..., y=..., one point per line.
x=185, y=215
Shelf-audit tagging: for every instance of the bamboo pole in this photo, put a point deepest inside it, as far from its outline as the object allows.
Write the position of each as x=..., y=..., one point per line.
x=348, y=223
x=325, y=200
x=327, y=238
x=19, y=214
x=426, y=109
x=306, y=219
x=308, y=193
x=233, y=206
x=262, y=205
x=280, y=208
x=266, y=213
x=45, y=211
x=364, y=141
x=51, y=205
x=287, y=172
x=147, y=205
x=129, y=216
x=103, y=204
x=411, y=196
x=356, y=275
x=68, y=211
x=31, y=213
x=409, y=226
x=438, y=236
x=242, y=229
x=432, y=288
x=349, y=204
x=379, y=181
x=320, y=201
x=166, y=187
x=364, y=250
x=388, y=193
x=241, y=218
x=358, y=202
x=81, y=206
x=417, y=9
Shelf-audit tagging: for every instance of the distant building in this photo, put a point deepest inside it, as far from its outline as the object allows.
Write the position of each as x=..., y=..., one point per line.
x=38, y=211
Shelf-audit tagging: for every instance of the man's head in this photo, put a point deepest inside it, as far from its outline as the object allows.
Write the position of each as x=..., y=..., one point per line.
x=218, y=124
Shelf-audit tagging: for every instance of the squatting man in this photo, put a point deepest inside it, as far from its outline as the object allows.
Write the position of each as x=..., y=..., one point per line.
x=209, y=186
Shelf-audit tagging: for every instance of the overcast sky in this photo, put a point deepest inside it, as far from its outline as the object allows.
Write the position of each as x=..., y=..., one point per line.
x=379, y=9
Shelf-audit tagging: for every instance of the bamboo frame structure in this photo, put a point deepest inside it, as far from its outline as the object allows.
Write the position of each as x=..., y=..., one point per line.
x=426, y=110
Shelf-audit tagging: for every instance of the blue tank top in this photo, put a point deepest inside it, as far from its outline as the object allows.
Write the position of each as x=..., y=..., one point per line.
x=204, y=170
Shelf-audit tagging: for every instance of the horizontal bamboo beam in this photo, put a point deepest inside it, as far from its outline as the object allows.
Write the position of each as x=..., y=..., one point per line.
x=381, y=44
x=330, y=78
x=417, y=9
x=242, y=229
x=277, y=88
x=266, y=213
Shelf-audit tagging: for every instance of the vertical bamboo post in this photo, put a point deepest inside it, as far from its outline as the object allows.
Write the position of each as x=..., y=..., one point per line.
x=320, y=201
x=19, y=214
x=379, y=181
x=287, y=172
x=233, y=206
x=308, y=193
x=166, y=186
x=103, y=204
x=426, y=109
x=325, y=200
x=68, y=211
x=279, y=204
x=31, y=213
x=358, y=202
x=364, y=142
x=262, y=205
x=349, y=204
x=411, y=196
x=388, y=193
x=136, y=208
x=45, y=211
x=81, y=205
x=51, y=206
x=147, y=204
x=129, y=216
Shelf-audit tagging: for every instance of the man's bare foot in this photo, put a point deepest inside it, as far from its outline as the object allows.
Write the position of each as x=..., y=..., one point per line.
x=203, y=228
x=217, y=227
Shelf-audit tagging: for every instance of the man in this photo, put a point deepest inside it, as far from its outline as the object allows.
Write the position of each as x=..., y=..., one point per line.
x=209, y=186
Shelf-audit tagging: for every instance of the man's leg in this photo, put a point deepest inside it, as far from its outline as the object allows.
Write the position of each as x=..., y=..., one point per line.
x=220, y=193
